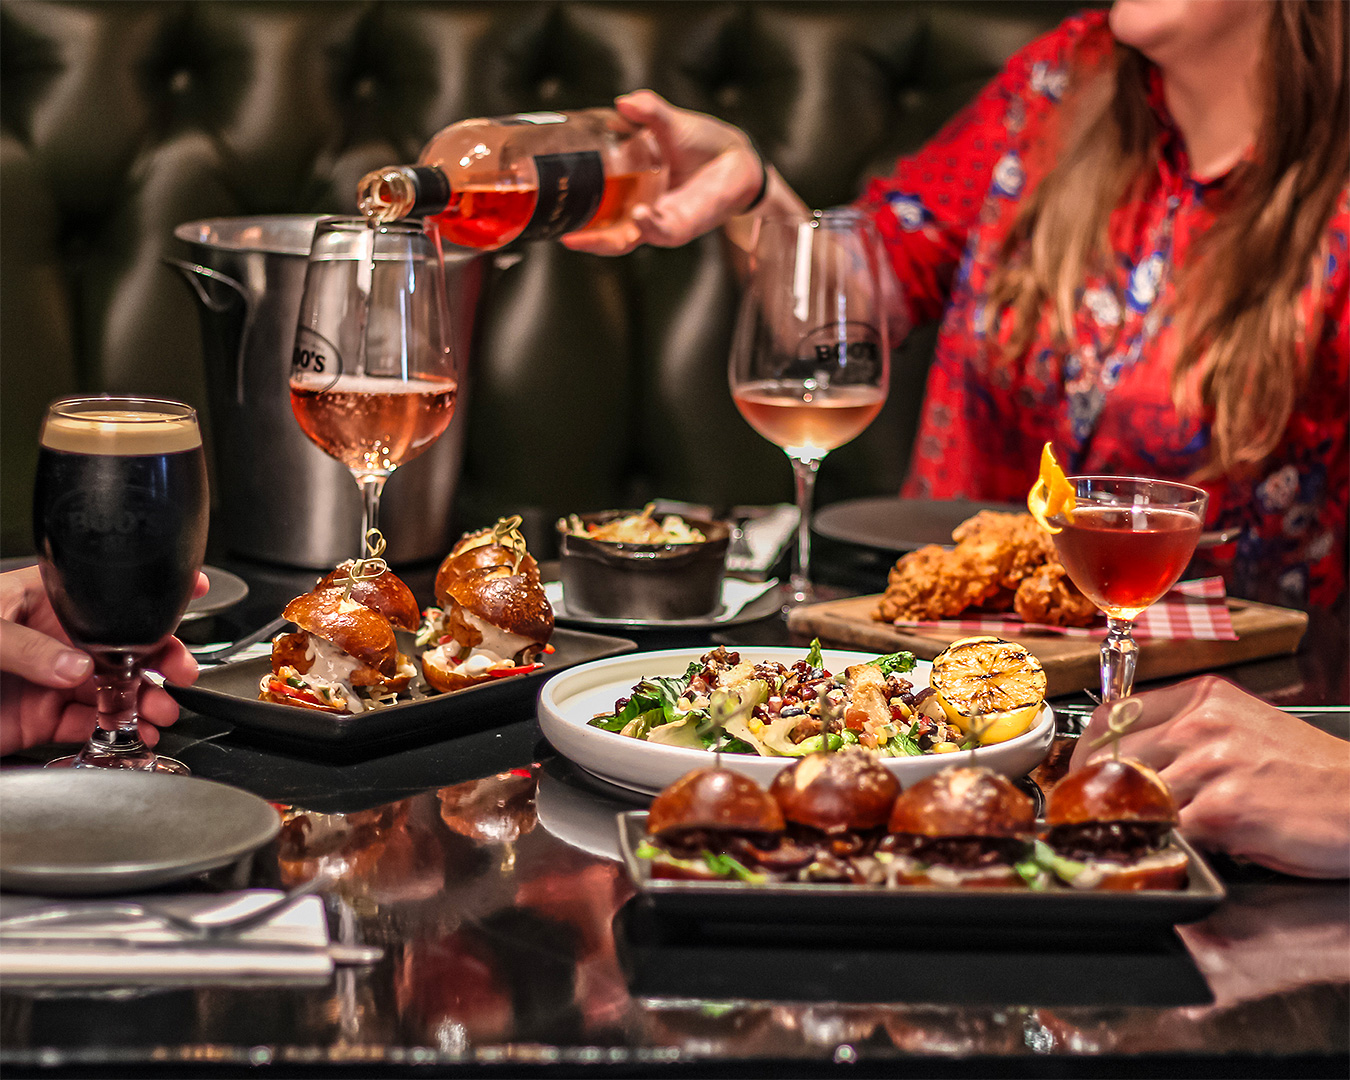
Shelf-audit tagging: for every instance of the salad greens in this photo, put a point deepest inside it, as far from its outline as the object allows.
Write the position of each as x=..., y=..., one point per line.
x=732, y=715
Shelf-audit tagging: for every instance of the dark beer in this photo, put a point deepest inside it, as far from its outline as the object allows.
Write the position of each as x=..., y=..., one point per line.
x=120, y=514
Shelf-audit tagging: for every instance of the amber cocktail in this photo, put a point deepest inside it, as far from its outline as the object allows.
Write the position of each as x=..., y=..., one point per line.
x=1125, y=541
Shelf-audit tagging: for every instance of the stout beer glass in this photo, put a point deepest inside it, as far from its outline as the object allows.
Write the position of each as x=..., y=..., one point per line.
x=120, y=514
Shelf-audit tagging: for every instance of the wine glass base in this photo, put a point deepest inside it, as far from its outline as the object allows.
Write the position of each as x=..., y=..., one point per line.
x=160, y=763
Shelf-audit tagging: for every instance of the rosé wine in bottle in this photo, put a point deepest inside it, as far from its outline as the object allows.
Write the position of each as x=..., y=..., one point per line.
x=370, y=424
x=804, y=420
x=486, y=182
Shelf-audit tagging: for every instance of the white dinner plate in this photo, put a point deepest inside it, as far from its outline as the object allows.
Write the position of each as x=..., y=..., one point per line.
x=571, y=699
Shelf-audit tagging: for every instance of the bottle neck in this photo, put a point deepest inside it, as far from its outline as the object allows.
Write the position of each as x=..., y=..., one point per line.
x=403, y=191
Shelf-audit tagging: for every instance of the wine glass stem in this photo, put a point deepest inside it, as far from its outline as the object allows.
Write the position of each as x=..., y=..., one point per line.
x=372, y=486
x=116, y=740
x=804, y=469
x=1120, y=653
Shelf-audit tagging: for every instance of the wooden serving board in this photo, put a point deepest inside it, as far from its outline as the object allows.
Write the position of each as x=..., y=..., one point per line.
x=1071, y=663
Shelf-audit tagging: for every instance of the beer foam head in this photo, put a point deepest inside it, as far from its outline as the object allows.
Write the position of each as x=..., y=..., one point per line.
x=113, y=428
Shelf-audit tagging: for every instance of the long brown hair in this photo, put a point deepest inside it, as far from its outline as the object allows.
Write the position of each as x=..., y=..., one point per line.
x=1243, y=341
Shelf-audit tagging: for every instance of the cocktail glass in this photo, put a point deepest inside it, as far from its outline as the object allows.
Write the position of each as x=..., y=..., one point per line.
x=1125, y=542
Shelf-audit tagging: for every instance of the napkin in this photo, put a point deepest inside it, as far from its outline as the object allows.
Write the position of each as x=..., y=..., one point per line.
x=1196, y=610
x=112, y=949
x=766, y=531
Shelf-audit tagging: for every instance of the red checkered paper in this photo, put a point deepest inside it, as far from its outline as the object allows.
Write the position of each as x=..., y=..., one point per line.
x=1192, y=609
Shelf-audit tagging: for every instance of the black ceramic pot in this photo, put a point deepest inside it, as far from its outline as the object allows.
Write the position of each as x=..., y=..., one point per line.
x=657, y=582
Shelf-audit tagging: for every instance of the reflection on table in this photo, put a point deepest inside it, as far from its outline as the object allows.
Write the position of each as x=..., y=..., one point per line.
x=486, y=868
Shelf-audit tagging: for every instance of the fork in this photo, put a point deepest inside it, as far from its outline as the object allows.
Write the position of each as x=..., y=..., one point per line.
x=224, y=652
x=191, y=928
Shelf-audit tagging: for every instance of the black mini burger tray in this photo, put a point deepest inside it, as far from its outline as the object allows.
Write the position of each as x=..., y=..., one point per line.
x=1006, y=908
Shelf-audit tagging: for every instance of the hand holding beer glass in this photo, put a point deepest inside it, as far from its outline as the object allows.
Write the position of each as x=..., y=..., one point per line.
x=120, y=516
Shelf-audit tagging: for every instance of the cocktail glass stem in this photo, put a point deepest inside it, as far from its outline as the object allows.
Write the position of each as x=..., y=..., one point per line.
x=1120, y=653
x=372, y=486
x=804, y=470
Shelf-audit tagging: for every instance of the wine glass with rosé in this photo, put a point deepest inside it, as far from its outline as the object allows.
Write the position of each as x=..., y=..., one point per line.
x=810, y=359
x=373, y=378
x=1124, y=542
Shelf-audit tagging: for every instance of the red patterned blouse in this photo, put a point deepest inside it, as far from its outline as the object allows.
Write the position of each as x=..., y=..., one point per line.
x=1105, y=404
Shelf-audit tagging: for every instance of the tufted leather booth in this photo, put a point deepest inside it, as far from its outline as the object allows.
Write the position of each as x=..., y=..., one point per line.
x=595, y=382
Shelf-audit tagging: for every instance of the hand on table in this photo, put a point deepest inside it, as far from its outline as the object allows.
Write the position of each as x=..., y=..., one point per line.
x=46, y=685
x=1249, y=779
x=715, y=173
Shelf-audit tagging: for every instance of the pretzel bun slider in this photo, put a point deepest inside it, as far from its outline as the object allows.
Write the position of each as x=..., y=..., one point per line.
x=340, y=645
x=494, y=619
x=960, y=827
x=836, y=805
x=711, y=824
x=384, y=592
x=1112, y=822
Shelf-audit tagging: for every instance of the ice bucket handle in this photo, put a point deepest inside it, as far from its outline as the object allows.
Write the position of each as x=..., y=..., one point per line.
x=191, y=272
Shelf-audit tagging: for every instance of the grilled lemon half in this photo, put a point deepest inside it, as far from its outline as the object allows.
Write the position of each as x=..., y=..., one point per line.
x=988, y=687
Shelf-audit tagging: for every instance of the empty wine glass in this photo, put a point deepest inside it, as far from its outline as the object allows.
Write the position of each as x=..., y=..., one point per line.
x=120, y=516
x=810, y=360
x=373, y=379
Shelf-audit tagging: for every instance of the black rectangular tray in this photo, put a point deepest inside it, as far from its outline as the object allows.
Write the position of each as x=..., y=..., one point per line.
x=230, y=692
x=1004, y=908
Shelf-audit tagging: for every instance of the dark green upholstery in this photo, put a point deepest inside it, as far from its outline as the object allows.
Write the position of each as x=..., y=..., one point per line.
x=596, y=382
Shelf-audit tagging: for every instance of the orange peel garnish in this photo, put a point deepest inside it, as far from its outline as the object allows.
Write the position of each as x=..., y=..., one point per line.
x=1051, y=494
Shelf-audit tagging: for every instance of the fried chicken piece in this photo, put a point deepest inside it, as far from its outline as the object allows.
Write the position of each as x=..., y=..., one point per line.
x=994, y=553
x=933, y=583
x=1010, y=545
x=1048, y=596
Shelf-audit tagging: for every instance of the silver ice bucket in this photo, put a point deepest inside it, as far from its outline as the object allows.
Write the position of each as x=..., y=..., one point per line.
x=281, y=498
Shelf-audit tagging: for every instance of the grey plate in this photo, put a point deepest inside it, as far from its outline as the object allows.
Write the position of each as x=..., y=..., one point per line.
x=230, y=692
x=64, y=831
x=897, y=525
x=730, y=901
x=226, y=589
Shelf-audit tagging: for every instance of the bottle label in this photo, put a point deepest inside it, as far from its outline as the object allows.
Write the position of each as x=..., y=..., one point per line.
x=533, y=118
x=570, y=187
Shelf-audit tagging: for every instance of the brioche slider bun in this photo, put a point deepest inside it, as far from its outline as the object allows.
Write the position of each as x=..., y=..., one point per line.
x=1116, y=817
x=960, y=826
x=845, y=791
x=715, y=799
x=386, y=593
x=351, y=626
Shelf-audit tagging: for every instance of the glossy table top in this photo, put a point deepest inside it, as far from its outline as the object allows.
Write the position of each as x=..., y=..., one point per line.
x=485, y=866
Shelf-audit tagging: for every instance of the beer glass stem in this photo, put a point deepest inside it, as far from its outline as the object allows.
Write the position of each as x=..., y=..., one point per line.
x=372, y=486
x=1120, y=653
x=116, y=740
x=804, y=470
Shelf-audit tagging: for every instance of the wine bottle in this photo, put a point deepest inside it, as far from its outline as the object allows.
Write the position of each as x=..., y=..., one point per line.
x=487, y=182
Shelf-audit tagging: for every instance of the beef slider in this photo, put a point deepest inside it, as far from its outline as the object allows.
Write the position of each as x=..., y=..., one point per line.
x=836, y=805
x=386, y=593
x=959, y=827
x=1116, y=816
x=712, y=810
